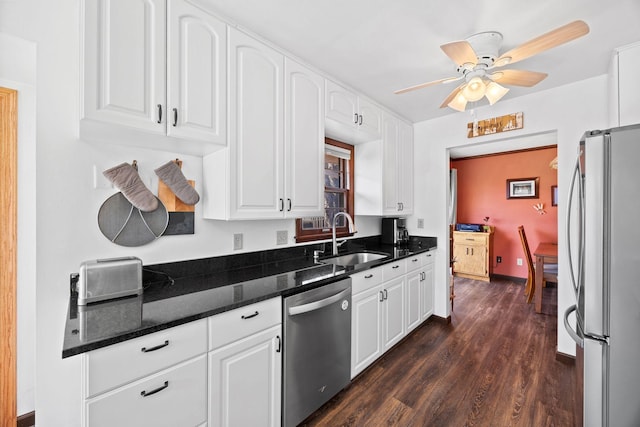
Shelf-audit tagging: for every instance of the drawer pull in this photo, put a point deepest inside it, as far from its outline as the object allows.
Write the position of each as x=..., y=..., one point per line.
x=250, y=316
x=279, y=347
x=395, y=266
x=158, y=347
x=145, y=393
x=415, y=260
x=368, y=276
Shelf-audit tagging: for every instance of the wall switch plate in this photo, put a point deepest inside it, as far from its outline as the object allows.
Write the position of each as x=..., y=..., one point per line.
x=519, y=261
x=499, y=259
x=237, y=241
x=420, y=222
x=281, y=237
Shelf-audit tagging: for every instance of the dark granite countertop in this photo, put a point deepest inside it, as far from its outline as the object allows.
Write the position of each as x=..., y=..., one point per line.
x=181, y=292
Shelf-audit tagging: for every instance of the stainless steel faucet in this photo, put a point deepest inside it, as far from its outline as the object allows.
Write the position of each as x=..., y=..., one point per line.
x=352, y=229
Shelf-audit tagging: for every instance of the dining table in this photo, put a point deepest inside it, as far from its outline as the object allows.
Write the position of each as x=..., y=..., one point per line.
x=545, y=253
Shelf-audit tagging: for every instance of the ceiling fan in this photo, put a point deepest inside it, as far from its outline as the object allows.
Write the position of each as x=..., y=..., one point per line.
x=478, y=56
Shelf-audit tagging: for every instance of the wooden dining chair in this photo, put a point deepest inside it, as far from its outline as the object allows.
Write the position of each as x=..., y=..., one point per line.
x=550, y=272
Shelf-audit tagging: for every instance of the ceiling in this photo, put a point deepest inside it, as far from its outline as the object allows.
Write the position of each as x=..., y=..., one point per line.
x=378, y=46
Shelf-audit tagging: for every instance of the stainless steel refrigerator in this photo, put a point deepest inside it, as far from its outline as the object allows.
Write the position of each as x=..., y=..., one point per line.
x=603, y=224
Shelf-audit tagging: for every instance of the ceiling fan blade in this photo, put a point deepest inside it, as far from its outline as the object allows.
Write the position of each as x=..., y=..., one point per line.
x=452, y=95
x=421, y=85
x=549, y=40
x=518, y=77
x=460, y=52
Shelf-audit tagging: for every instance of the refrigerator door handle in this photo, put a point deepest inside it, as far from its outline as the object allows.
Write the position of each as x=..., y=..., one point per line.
x=574, y=335
x=572, y=276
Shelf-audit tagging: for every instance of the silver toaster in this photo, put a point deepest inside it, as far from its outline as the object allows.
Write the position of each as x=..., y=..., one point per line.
x=105, y=279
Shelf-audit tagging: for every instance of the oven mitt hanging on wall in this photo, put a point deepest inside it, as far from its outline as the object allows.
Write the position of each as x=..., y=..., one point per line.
x=127, y=180
x=172, y=176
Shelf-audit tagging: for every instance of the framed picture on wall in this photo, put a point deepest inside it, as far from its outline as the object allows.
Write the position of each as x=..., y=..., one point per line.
x=554, y=195
x=522, y=188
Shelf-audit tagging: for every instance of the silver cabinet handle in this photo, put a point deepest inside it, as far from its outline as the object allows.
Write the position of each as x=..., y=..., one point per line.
x=415, y=260
x=360, y=123
x=386, y=294
x=289, y=209
x=356, y=118
x=175, y=117
x=368, y=276
x=158, y=347
x=281, y=205
x=145, y=393
x=395, y=266
x=279, y=347
x=381, y=296
x=243, y=317
x=159, y=113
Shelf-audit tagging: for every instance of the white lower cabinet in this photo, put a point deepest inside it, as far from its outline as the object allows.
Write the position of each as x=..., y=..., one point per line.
x=245, y=366
x=245, y=381
x=393, y=329
x=173, y=397
x=427, y=290
x=366, y=328
x=414, y=285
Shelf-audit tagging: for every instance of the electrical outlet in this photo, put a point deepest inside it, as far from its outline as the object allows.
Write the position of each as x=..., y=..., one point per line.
x=420, y=222
x=519, y=261
x=281, y=237
x=499, y=259
x=237, y=241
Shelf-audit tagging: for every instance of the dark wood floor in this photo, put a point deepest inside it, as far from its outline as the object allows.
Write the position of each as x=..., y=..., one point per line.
x=494, y=365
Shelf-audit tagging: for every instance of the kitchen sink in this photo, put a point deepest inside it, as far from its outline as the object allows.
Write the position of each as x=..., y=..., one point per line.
x=354, y=258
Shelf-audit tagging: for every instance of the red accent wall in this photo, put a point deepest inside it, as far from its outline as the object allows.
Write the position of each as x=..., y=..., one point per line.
x=482, y=191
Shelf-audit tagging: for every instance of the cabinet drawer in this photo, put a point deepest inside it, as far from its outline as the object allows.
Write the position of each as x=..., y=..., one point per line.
x=414, y=262
x=428, y=258
x=470, y=238
x=233, y=325
x=173, y=397
x=113, y=366
x=394, y=269
x=365, y=280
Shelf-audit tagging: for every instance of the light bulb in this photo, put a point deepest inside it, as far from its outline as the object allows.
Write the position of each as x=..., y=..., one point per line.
x=458, y=103
x=495, y=92
x=475, y=89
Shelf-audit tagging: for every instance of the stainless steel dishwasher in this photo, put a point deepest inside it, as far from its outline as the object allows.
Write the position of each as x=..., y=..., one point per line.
x=317, y=349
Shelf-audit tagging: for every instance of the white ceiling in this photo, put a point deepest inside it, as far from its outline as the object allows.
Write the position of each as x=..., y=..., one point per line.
x=378, y=46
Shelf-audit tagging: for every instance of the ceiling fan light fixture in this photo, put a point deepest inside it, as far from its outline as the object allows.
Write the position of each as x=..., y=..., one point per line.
x=459, y=103
x=475, y=89
x=495, y=92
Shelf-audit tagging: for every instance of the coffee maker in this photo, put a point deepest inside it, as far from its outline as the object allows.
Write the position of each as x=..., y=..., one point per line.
x=394, y=231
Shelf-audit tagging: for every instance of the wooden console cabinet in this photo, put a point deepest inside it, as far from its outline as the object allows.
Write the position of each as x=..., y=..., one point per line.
x=473, y=254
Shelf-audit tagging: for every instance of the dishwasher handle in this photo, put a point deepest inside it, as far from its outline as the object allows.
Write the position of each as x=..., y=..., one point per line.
x=316, y=305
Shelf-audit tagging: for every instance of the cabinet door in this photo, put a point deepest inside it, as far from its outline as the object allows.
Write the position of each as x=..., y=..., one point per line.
x=342, y=105
x=256, y=122
x=176, y=396
x=414, y=283
x=405, y=168
x=124, y=63
x=470, y=259
x=196, y=74
x=245, y=381
x=366, y=334
x=304, y=141
x=370, y=119
x=391, y=204
x=427, y=288
x=393, y=318
x=628, y=85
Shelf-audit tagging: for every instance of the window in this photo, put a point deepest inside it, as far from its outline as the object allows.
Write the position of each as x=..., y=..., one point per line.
x=338, y=194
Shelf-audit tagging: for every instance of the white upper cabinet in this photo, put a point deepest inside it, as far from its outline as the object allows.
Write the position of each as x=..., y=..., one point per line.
x=625, y=99
x=273, y=166
x=196, y=74
x=351, y=118
x=304, y=141
x=154, y=68
x=384, y=171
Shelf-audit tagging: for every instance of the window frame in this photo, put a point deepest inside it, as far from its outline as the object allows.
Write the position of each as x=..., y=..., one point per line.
x=324, y=234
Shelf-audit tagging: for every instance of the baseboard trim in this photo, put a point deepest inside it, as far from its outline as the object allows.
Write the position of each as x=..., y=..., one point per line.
x=441, y=320
x=27, y=420
x=565, y=358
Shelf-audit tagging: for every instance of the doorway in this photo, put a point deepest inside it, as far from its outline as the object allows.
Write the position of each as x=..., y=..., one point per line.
x=483, y=173
x=8, y=254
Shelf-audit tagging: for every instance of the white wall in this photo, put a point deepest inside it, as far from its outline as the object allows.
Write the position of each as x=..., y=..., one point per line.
x=569, y=111
x=58, y=179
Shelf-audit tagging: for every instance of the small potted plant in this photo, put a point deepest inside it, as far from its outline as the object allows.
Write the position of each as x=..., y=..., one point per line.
x=486, y=227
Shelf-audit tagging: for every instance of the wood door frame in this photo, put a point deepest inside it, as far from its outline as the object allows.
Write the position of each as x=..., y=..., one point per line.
x=8, y=254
